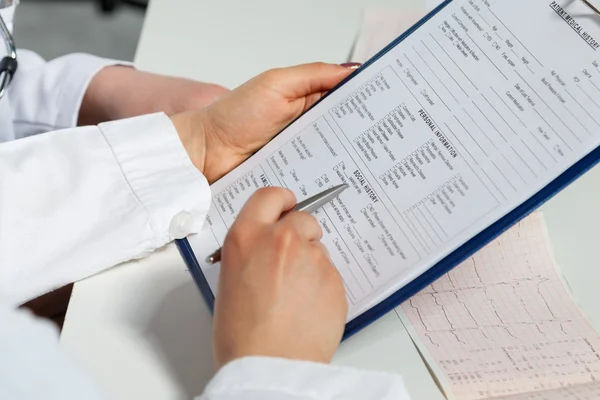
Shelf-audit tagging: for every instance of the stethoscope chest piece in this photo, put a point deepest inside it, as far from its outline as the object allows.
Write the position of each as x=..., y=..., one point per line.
x=8, y=64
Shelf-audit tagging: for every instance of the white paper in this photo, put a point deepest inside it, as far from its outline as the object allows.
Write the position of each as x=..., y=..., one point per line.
x=438, y=139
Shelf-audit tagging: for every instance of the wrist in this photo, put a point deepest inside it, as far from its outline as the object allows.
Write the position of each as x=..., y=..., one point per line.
x=203, y=144
x=189, y=127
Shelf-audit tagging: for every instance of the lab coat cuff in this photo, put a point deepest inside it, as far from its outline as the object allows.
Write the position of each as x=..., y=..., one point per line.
x=160, y=173
x=304, y=380
x=82, y=69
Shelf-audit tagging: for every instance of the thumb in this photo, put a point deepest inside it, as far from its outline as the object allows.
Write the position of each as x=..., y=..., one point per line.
x=303, y=80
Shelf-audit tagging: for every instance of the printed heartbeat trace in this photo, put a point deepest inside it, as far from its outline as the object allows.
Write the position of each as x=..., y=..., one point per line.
x=588, y=391
x=502, y=323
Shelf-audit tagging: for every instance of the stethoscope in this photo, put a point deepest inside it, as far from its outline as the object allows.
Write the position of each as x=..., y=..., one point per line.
x=8, y=64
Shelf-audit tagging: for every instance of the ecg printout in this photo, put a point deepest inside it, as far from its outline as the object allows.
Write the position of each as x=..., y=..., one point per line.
x=502, y=322
x=588, y=391
x=465, y=119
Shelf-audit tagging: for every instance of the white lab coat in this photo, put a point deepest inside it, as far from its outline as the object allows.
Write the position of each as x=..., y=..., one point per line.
x=75, y=201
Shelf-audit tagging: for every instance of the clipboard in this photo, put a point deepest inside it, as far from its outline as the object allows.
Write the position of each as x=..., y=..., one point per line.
x=451, y=260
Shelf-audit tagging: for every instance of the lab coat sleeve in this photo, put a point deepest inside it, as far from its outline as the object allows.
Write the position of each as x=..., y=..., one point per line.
x=47, y=96
x=77, y=201
x=279, y=379
x=33, y=367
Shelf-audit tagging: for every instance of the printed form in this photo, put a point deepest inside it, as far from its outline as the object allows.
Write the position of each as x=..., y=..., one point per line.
x=472, y=114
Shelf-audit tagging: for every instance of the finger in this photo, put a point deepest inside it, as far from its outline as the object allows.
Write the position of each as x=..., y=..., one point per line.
x=266, y=205
x=305, y=224
x=303, y=80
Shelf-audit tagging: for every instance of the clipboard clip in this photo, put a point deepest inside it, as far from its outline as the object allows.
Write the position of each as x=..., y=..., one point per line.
x=591, y=6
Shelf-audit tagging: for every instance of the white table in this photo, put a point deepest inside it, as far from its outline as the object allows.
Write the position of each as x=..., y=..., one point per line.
x=142, y=329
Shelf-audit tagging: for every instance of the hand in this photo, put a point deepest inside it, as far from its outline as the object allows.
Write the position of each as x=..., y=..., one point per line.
x=279, y=295
x=221, y=136
x=120, y=92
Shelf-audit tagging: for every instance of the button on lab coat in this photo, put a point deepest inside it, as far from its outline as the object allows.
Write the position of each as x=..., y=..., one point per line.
x=76, y=201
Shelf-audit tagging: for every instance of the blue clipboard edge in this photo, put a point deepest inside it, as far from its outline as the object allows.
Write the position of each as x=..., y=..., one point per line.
x=453, y=259
x=186, y=251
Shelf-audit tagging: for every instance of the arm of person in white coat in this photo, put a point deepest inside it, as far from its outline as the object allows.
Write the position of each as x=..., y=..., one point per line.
x=100, y=188
x=81, y=89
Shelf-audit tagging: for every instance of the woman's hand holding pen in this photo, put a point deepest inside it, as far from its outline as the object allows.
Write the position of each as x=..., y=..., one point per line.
x=279, y=294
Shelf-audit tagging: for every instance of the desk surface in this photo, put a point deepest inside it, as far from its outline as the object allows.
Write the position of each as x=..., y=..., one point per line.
x=142, y=328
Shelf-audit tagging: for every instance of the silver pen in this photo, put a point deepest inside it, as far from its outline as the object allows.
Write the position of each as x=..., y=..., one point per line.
x=309, y=205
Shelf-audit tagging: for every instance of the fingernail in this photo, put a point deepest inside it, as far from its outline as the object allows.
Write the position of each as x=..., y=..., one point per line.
x=351, y=65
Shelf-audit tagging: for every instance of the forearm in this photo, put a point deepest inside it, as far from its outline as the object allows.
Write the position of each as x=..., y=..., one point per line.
x=118, y=92
x=96, y=106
